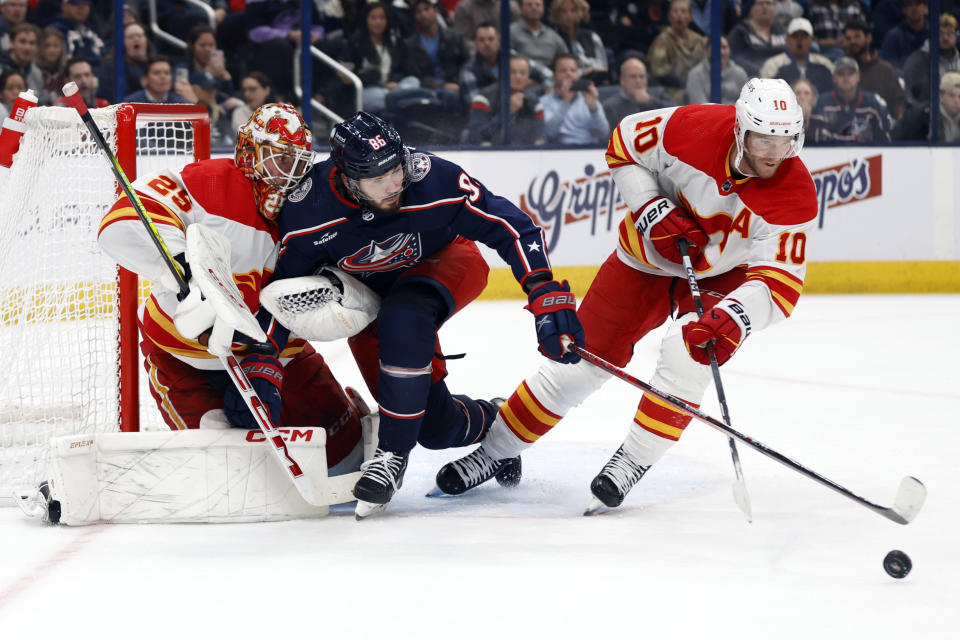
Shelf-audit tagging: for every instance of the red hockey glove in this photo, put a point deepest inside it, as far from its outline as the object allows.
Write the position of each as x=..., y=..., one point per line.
x=266, y=377
x=665, y=223
x=726, y=325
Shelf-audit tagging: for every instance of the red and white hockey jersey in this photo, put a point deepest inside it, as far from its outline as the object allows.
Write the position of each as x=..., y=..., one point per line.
x=682, y=153
x=210, y=192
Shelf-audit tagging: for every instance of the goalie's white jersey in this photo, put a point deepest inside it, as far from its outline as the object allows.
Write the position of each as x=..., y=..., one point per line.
x=683, y=153
x=210, y=192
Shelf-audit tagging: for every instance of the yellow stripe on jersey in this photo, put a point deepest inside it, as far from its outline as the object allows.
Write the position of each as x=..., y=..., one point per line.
x=784, y=288
x=163, y=392
x=617, y=154
x=170, y=339
x=630, y=239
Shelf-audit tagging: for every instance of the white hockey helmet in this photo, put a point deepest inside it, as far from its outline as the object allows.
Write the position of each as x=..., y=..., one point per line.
x=769, y=106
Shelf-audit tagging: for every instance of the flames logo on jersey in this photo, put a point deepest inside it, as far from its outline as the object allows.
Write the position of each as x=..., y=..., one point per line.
x=396, y=252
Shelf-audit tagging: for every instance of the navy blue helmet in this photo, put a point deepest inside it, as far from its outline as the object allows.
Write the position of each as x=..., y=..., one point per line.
x=365, y=146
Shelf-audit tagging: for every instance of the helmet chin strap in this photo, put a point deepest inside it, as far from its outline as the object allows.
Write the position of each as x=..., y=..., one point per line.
x=738, y=160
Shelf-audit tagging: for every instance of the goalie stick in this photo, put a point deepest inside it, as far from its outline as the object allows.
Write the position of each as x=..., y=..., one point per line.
x=906, y=505
x=309, y=492
x=740, y=495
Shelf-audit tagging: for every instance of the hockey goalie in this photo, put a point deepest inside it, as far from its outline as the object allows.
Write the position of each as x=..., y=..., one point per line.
x=213, y=465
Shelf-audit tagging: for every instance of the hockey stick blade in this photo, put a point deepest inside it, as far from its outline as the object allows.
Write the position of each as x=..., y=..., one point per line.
x=910, y=496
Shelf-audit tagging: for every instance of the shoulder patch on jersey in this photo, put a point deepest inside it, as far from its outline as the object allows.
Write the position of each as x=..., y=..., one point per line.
x=301, y=191
x=419, y=166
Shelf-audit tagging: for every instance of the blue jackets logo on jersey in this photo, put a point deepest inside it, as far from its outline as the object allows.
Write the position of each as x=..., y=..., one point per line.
x=401, y=250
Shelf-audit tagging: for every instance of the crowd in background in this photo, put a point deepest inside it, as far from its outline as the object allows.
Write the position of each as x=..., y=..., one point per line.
x=860, y=68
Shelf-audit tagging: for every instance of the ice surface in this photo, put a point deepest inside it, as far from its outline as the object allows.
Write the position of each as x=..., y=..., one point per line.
x=861, y=389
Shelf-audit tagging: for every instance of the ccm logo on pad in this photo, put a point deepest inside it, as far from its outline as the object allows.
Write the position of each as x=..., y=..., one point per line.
x=289, y=435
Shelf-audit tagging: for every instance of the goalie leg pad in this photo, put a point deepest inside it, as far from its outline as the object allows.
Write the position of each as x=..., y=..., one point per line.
x=182, y=476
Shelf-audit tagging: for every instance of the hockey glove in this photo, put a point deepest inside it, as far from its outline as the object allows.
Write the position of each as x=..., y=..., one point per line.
x=664, y=223
x=555, y=314
x=726, y=326
x=266, y=377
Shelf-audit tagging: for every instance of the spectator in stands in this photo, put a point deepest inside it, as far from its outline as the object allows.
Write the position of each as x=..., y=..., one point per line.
x=484, y=121
x=82, y=39
x=629, y=25
x=701, y=12
x=376, y=57
x=849, y=114
x=915, y=124
x=916, y=70
x=203, y=55
x=567, y=16
x=483, y=67
x=572, y=111
x=756, y=38
x=807, y=95
x=137, y=51
x=205, y=88
x=52, y=61
x=256, y=91
x=676, y=51
x=273, y=26
x=12, y=85
x=797, y=61
x=470, y=14
x=786, y=11
x=534, y=40
x=158, y=85
x=435, y=55
x=950, y=107
x=828, y=18
x=732, y=78
x=635, y=94
x=876, y=74
x=906, y=37
x=80, y=72
x=24, y=40
x=12, y=13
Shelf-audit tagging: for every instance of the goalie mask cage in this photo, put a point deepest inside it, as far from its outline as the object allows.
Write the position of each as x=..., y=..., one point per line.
x=68, y=314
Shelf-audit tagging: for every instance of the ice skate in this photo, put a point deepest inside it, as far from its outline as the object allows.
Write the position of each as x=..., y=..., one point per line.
x=614, y=481
x=382, y=477
x=473, y=470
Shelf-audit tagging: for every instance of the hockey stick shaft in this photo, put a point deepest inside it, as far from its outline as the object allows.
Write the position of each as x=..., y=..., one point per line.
x=910, y=496
x=741, y=497
x=237, y=376
x=73, y=98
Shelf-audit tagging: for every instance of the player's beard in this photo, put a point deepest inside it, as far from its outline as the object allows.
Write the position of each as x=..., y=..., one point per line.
x=759, y=166
x=389, y=205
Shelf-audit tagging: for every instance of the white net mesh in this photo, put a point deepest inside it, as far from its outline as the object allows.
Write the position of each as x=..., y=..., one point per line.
x=58, y=311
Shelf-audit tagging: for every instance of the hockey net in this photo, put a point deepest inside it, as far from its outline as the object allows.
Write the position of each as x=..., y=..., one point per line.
x=69, y=357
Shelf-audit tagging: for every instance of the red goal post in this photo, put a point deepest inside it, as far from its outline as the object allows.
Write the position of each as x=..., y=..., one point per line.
x=68, y=319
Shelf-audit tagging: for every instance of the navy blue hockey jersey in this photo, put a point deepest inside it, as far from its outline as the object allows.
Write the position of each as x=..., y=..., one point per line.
x=318, y=226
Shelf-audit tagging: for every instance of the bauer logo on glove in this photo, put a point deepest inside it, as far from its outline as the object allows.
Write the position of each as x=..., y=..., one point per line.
x=725, y=326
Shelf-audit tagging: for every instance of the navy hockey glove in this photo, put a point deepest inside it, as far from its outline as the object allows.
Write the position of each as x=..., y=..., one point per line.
x=665, y=224
x=726, y=325
x=555, y=314
x=266, y=376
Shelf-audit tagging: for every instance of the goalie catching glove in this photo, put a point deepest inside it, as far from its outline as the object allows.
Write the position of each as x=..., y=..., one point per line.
x=726, y=325
x=664, y=223
x=328, y=305
x=555, y=314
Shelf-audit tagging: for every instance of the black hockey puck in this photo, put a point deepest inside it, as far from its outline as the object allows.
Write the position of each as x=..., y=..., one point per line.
x=897, y=564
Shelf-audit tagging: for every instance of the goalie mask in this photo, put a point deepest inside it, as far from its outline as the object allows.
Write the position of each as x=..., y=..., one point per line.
x=274, y=153
x=769, y=107
x=365, y=148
